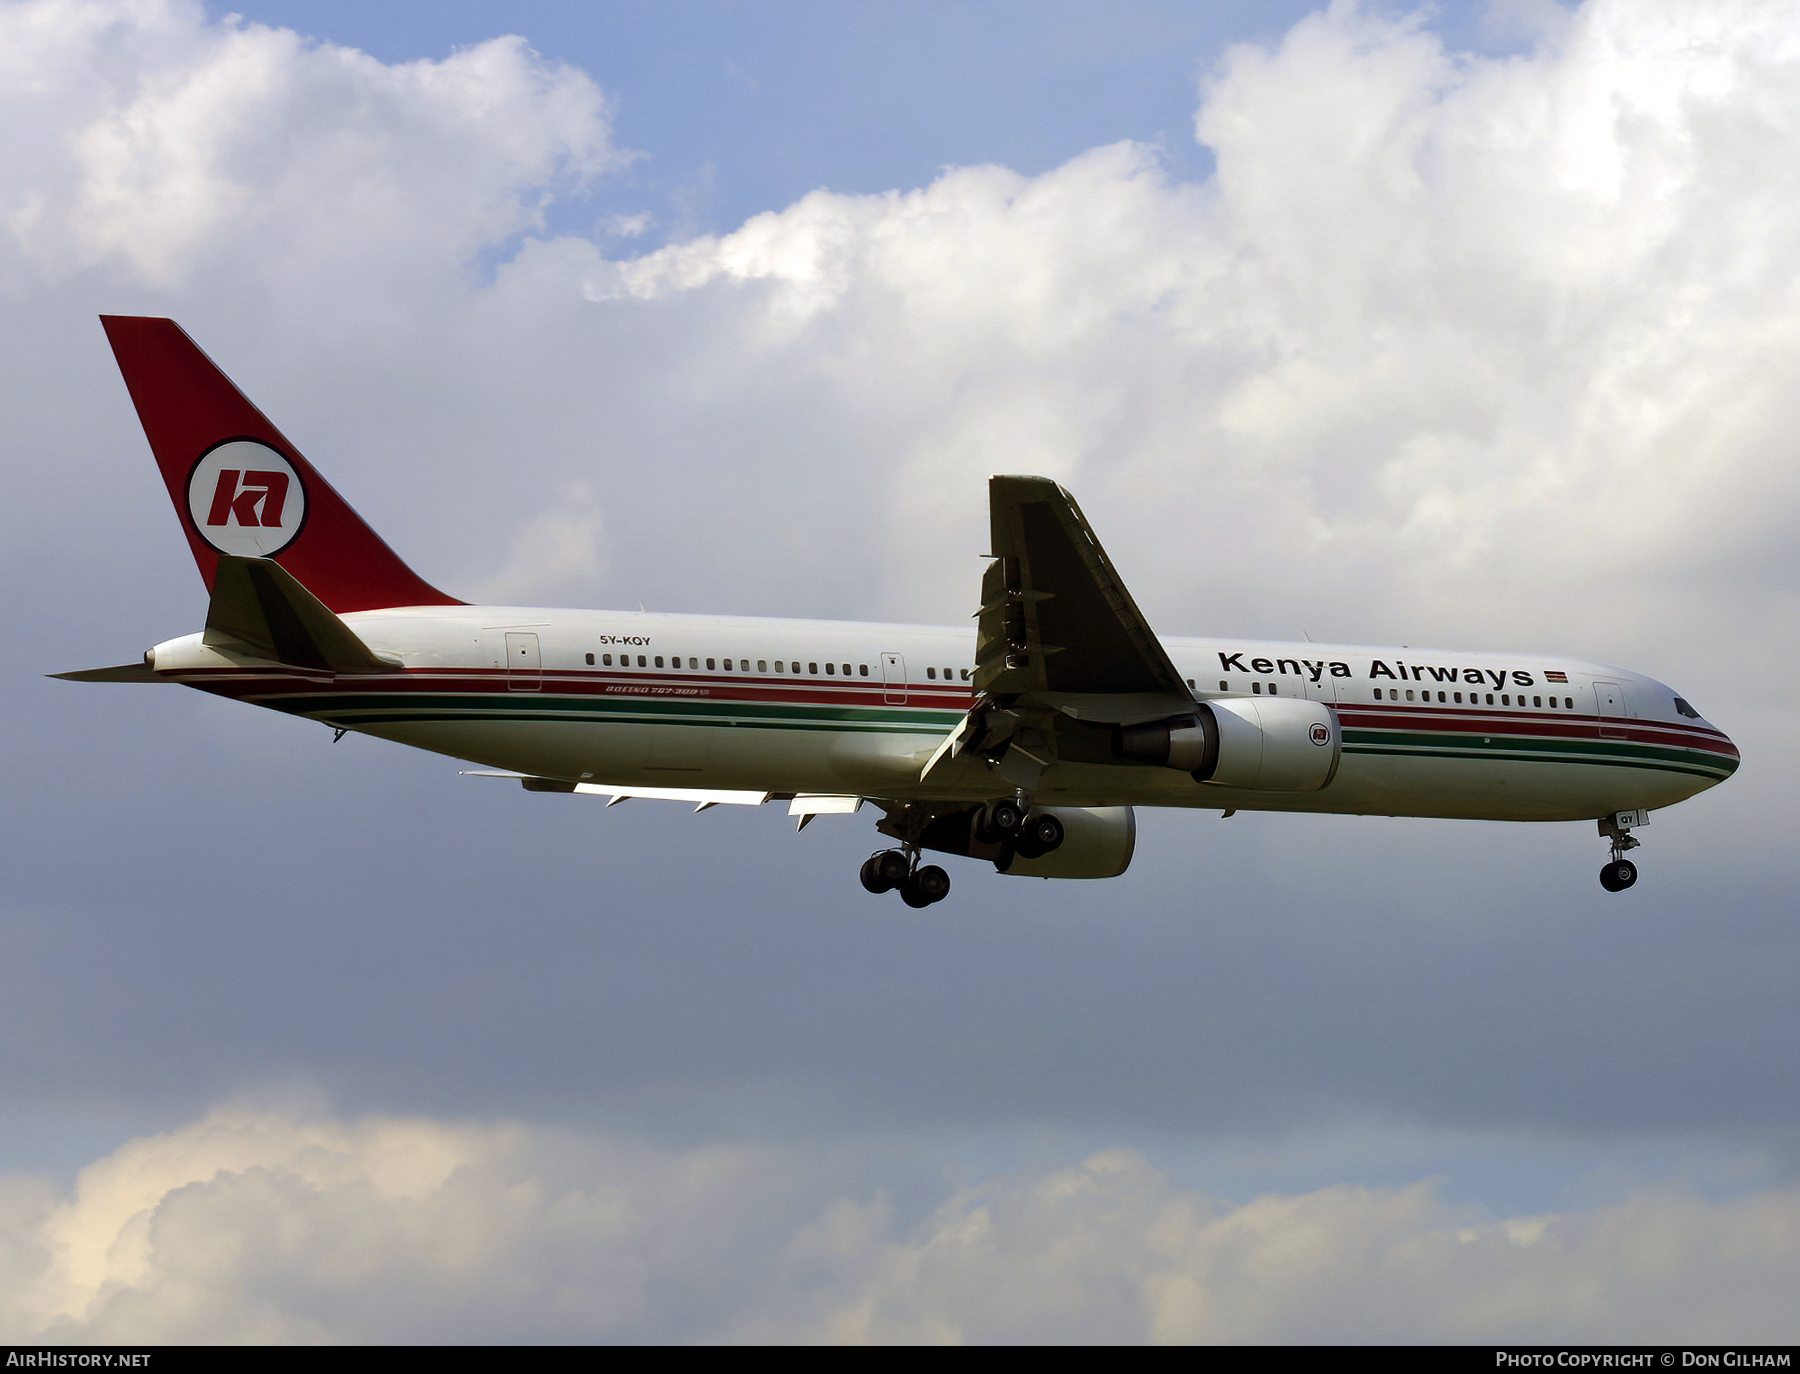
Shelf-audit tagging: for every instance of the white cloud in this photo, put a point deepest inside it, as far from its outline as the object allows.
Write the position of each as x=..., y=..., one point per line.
x=556, y=556
x=1435, y=318
x=187, y=153
x=259, y=1226
x=1443, y=339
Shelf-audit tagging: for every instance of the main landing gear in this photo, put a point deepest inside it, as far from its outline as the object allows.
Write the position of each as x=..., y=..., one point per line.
x=893, y=868
x=1000, y=831
x=1006, y=822
x=1621, y=873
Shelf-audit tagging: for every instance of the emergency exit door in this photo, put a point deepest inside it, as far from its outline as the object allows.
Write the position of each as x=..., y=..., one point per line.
x=893, y=677
x=524, y=669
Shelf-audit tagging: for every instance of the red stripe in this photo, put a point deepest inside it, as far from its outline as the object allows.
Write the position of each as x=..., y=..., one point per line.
x=1537, y=726
x=640, y=687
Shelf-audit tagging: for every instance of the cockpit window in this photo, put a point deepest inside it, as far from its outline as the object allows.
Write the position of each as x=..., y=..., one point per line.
x=1686, y=710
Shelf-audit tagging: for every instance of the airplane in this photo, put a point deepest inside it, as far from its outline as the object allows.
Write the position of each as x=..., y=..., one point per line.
x=1024, y=741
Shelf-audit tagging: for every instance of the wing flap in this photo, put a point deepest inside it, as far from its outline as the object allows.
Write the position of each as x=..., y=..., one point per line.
x=701, y=797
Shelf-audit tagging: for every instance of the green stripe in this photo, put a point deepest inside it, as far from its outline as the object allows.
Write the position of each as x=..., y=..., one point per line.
x=372, y=709
x=1516, y=748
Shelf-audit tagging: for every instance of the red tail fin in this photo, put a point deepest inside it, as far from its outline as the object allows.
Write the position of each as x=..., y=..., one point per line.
x=240, y=487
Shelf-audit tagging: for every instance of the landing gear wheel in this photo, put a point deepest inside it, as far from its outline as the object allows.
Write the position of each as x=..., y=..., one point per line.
x=1043, y=832
x=933, y=882
x=930, y=884
x=1618, y=875
x=872, y=880
x=892, y=867
x=998, y=820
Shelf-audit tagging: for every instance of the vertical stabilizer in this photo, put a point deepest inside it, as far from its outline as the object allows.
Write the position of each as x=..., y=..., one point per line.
x=240, y=488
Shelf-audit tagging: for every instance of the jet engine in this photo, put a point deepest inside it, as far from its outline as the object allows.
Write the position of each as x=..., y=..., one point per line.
x=1276, y=744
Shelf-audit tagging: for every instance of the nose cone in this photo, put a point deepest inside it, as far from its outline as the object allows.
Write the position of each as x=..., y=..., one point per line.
x=1728, y=751
x=1712, y=753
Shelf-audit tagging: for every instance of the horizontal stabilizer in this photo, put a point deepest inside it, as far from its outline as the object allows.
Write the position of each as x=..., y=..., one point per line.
x=259, y=606
x=125, y=672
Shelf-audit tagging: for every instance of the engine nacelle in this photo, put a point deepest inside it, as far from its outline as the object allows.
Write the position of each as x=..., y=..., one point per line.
x=1097, y=843
x=1278, y=744
x=1271, y=744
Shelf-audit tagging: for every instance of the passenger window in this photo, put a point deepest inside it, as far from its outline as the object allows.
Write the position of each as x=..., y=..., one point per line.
x=830, y=669
x=965, y=674
x=641, y=662
x=862, y=669
x=1222, y=686
x=1568, y=703
x=1256, y=687
x=590, y=660
x=1537, y=701
x=931, y=673
x=659, y=660
x=796, y=667
x=1506, y=699
x=813, y=668
x=1490, y=698
x=1409, y=695
x=762, y=665
x=1378, y=694
x=1440, y=696
x=711, y=665
x=1271, y=689
x=1458, y=696
x=606, y=659
x=778, y=665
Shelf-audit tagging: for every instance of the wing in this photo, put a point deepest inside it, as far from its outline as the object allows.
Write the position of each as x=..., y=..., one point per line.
x=1059, y=641
x=1055, y=615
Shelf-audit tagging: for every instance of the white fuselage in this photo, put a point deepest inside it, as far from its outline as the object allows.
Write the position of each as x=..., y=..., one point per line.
x=806, y=706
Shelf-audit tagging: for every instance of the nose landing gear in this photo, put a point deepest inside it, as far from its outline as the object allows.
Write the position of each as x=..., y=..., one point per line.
x=1621, y=873
x=893, y=868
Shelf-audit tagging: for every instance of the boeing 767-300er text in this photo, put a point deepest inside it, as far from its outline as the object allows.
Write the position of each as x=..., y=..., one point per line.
x=1025, y=741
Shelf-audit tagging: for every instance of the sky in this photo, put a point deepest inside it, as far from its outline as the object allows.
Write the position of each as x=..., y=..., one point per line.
x=1471, y=327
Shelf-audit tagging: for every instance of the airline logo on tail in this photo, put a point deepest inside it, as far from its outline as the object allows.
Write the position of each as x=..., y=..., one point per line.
x=246, y=499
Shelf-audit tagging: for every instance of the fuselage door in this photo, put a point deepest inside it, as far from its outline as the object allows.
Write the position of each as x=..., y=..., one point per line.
x=893, y=676
x=524, y=669
x=1609, y=700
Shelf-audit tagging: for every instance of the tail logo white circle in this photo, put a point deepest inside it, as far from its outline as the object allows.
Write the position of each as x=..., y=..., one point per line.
x=246, y=499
